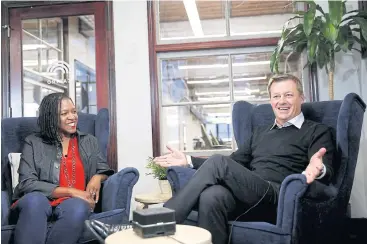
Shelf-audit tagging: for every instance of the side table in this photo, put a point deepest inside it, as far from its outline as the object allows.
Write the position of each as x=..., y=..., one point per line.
x=184, y=234
x=153, y=198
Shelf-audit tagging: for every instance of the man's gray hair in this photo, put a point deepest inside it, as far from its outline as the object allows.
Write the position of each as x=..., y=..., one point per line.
x=284, y=77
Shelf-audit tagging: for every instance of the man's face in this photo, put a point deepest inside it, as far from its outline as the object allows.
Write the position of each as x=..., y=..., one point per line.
x=285, y=100
x=68, y=117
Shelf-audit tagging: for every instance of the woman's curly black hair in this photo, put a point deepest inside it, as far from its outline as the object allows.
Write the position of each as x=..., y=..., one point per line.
x=49, y=117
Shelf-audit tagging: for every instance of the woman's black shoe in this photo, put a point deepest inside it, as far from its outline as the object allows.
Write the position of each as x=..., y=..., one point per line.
x=102, y=230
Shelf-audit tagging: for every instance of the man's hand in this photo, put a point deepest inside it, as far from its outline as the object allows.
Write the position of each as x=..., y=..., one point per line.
x=173, y=158
x=86, y=196
x=94, y=186
x=315, y=166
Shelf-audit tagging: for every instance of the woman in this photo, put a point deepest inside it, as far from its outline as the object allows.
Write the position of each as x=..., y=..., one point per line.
x=60, y=177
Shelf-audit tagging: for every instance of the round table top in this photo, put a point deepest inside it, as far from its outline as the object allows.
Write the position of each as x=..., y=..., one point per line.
x=184, y=234
x=152, y=198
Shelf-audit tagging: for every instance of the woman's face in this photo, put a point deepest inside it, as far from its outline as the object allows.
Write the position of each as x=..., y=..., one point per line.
x=68, y=117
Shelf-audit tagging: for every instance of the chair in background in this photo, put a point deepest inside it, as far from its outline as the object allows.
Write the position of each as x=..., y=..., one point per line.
x=114, y=207
x=314, y=213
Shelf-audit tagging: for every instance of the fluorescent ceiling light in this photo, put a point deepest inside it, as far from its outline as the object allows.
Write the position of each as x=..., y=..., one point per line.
x=207, y=81
x=219, y=99
x=250, y=78
x=210, y=66
x=192, y=82
x=194, y=19
x=226, y=93
x=251, y=63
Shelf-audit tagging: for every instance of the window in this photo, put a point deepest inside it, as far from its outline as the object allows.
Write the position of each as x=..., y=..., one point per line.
x=198, y=90
x=205, y=56
x=187, y=20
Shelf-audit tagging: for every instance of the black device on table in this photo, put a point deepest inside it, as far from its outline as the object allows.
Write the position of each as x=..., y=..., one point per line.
x=153, y=222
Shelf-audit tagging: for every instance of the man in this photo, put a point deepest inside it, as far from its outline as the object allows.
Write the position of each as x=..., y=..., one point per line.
x=255, y=171
x=253, y=174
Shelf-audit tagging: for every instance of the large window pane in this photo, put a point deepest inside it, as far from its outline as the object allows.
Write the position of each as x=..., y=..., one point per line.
x=50, y=47
x=209, y=83
x=195, y=79
x=189, y=19
x=254, y=19
x=251, y=72
x=197, y=127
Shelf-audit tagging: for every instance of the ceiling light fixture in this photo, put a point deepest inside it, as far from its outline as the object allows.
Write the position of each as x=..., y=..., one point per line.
x=194, y=18
x=192, y=82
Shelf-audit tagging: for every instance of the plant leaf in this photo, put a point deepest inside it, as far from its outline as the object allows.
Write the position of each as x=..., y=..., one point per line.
x=308, y=19
x=363, y=25
x=319, y=8
x=311, y=48
x=329, y=30
x=343, y=38
x=273, y=64
x=336, y=8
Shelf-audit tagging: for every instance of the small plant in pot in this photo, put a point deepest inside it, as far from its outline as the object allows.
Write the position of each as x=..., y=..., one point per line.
x=160, y=173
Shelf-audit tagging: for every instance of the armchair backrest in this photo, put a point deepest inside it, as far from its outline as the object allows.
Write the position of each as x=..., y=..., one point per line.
x=15, y=130
x=345, y=117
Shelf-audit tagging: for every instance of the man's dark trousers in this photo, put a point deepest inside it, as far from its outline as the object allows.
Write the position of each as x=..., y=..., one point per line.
x=219, y=186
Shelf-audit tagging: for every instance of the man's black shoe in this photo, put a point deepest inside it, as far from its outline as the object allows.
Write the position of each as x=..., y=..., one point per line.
x=102, y=230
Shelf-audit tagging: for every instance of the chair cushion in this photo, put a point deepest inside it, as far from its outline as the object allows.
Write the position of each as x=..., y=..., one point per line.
x=14, y=160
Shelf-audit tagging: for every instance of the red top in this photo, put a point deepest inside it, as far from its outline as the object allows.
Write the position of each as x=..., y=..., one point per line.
x=79, y=172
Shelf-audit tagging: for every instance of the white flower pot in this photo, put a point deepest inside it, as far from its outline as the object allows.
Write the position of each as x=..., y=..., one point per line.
x=165, y=187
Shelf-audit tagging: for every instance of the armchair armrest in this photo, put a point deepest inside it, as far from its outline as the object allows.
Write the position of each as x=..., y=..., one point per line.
x=178, y=177
x=298, y=198
x=117, y=190
x=5, y=208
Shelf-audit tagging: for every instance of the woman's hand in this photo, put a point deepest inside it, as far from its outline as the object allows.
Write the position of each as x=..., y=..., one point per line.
x=94, y=186
x=85, y=195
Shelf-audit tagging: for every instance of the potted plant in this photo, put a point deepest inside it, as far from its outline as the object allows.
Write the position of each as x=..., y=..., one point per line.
x=322, y=36
x=160, y=173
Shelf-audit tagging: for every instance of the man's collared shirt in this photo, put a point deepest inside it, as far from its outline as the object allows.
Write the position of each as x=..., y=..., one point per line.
x=296, y=121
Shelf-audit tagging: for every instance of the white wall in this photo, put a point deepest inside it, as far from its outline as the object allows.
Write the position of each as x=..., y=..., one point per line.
x=134, y=137
x=350, y=76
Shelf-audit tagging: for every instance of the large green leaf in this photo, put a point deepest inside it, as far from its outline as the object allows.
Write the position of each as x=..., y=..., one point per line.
x=321, y=57
x=336, y=8
x=329, y=30
x=344, y=41
x=363, y=25
x=273, y=61
x=308, y=19
x=350, y=15
x=311, y=48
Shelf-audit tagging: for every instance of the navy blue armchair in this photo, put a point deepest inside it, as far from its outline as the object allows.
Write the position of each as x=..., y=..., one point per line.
x=314, y=213
x=114, y=207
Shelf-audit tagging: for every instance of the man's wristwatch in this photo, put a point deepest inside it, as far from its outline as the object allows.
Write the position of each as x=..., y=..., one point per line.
x=323, y=172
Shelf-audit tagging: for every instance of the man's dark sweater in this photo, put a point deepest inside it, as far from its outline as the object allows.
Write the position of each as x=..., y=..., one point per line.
x=273, y=154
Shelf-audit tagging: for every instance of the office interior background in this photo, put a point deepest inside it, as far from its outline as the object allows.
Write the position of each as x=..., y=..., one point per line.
x=163, y=86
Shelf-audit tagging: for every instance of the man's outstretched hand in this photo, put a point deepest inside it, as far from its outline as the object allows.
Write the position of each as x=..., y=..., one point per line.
x=315, y=166
x=173, y=158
